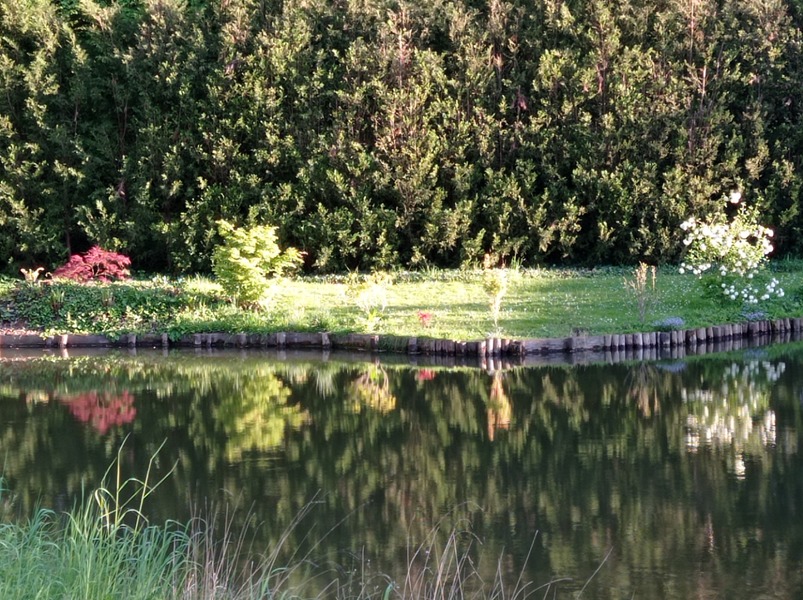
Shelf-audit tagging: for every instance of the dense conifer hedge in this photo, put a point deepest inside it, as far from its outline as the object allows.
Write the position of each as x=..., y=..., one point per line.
x=377, y=133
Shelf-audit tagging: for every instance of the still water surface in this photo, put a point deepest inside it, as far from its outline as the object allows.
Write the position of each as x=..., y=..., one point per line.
x=674, y=479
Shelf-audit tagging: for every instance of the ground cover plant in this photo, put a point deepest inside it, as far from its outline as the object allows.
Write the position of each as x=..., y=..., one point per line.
x=454, y=304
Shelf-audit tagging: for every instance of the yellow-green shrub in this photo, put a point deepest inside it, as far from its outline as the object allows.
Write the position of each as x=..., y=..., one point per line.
x=249, y=262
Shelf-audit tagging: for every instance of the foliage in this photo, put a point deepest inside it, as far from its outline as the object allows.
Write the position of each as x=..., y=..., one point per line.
x=249, y=262
x=495, y=282
x=376, y=135
x=65, y=306
x=733, y=250
x=370, y=296
x=95, y=264
x=542, y=303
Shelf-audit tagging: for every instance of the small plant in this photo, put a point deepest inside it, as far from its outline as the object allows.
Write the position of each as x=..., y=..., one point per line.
x=731, y=252
x=106, y=297
x=754, y=315
x=642, y=284
x=495, y=283
x=96, y=264
x=370, y=296
x=249, y=263
x=32, y=275
x=56, y=299
x=425, y=318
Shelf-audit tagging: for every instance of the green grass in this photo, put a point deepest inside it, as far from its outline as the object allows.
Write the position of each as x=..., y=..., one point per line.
x=94, y=551
x=539, y=303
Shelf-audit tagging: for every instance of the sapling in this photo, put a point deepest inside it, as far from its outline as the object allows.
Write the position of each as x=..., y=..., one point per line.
x=495, y=283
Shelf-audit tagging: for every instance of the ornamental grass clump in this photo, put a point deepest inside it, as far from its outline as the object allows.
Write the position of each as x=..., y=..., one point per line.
x=731, y=250
x=642, y=285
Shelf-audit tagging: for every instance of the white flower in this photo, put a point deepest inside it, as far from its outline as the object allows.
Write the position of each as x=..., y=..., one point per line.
x=735, y=197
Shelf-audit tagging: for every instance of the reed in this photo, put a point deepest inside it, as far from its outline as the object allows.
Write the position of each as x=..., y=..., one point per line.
x=106, y=548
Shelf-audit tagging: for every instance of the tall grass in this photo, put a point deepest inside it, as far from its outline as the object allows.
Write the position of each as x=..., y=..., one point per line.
x=93, y=553
x=105, y=548
x=77, y=556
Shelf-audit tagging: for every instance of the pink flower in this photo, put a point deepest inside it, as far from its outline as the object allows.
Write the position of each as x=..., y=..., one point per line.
x=425, y=318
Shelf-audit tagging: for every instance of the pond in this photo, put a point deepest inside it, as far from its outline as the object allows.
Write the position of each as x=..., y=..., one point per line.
x=663, y=479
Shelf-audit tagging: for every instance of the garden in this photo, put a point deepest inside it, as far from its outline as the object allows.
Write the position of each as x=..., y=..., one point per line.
x=457, y=170
x=726, y=277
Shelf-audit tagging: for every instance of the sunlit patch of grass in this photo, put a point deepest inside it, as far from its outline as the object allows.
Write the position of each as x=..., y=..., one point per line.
x=538, y=303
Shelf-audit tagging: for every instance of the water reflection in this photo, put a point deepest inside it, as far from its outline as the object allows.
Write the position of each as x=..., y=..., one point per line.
x=736, y=411
x=682, y=476
x=100, y=410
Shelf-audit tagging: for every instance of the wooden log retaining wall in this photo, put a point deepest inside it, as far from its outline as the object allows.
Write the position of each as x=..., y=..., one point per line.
x=688, y=340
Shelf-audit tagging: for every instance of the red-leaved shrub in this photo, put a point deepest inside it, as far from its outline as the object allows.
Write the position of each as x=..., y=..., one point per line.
x=96, y=264
x=102, y=410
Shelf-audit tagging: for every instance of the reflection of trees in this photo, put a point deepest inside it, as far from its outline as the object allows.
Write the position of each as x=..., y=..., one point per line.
x=255, y=413
x=372, y=390
x=499, y=407
x=644, y=388
x=581, y=455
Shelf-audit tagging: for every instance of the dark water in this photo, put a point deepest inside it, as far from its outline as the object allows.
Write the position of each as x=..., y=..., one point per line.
x=644, y=480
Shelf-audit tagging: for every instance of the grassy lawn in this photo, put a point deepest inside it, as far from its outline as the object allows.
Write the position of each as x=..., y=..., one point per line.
x=538, y=303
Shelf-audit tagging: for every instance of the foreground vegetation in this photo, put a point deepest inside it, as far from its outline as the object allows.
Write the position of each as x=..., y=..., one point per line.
x=447, y=304
x=106, y=549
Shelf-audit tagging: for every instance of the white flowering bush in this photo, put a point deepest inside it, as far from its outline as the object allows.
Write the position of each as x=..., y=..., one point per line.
x=732, y=251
